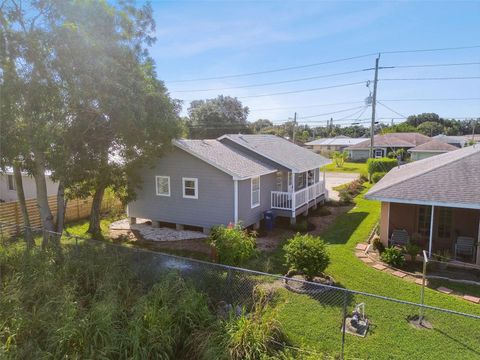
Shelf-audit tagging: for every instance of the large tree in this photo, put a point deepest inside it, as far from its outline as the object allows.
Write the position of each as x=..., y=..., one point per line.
x=214, y=117
x=91, y=100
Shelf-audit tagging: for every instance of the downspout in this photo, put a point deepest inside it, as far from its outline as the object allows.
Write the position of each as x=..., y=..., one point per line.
x=431, y=232
x=235, y=201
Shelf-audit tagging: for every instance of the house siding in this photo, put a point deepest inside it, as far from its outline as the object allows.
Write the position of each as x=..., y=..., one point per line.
x=246, y=214
x=215, y=203
x=29, y=187
x=359, y=154
x=418, y=155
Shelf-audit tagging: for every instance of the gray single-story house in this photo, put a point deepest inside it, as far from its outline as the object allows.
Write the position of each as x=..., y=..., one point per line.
x=429, y=149
x=457, y=141
x=383, y=144
x=231, y=179
x=435, y=202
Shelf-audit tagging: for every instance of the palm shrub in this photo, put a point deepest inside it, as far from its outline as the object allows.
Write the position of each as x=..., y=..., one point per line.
x=307, y=254
x=339, y=158
x=233, y=244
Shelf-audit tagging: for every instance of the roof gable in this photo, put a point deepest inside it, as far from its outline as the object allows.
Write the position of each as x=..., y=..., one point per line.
x=434, y=146
x=397, y=140
x=227, y=159
x=280, y=151
x=451, y=179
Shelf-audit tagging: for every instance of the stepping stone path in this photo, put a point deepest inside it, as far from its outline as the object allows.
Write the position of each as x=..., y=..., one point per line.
x=361, y=255
x=366, y=260
x=445, y=290
x=420, y=282
x=379, y=267
x=361, y=247
x=399, y=274
x=471, y=298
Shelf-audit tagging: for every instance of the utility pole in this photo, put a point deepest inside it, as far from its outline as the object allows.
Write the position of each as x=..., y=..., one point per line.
x=473, y=130
x=294, y=126
x=374, y=104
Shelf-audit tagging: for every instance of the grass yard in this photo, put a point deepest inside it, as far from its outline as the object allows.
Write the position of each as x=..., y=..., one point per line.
x=350, y=167
x=316, y=324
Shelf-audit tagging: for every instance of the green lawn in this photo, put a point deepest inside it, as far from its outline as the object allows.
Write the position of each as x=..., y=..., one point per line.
x=347, y=167
x=315, y=323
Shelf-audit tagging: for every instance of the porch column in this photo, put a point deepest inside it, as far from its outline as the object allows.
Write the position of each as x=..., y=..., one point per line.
x=432, y=217
x=324, y=174
x=478, y=244
x=235, y=201
x=293, y=195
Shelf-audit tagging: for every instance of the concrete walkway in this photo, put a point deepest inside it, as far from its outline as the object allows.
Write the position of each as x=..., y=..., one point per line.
x=333, y=179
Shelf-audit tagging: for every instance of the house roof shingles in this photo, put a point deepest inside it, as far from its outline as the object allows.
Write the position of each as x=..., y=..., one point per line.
x=336, y=141
x=225, y=158
x=281, y=151
x=450, y=179
x=397, y=140
x=434, y=146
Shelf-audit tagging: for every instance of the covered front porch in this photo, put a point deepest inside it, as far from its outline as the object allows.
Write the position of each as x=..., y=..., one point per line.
x=297, y=192
x=450, y=232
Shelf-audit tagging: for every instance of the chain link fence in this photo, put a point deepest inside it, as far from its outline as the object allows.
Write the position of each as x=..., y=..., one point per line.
x=320, y=321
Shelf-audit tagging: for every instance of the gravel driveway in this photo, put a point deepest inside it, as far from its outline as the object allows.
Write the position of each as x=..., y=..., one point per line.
x=333, y=179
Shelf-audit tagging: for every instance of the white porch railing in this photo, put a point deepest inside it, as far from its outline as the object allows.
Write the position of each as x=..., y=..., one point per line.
x=290, y=201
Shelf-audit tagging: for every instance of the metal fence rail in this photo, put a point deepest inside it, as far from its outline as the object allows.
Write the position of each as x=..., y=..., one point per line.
x=322, y=309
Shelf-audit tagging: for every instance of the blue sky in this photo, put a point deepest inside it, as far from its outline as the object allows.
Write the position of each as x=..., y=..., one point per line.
x=203, y=39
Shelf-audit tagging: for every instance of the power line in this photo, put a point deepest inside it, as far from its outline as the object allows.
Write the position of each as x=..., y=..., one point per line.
x=323, y=63
x=274, y=70
x=435, y=65
x=433, y=78
x=308, y=106
x=303, y=90
x=434, y=99
x=389, y=108
x=329, y=113
x=275, y=82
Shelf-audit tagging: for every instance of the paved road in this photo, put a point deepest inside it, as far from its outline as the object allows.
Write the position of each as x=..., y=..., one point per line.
x=333, y=179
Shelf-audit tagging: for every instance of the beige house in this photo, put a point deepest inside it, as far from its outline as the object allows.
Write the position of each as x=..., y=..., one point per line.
x=326, y=146
x=436, y=202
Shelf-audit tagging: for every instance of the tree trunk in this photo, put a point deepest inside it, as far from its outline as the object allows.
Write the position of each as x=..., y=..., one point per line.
x=94, y=225
x=42, y=196
x=17, y=173
x=61, y=205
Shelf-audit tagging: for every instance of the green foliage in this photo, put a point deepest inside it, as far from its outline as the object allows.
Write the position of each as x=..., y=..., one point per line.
x=212, y=118
x=308, y=254
x=378, y=245
x=339, y=158
x=233, y=244
x=393, y=257
x=380, y=165
x=376, y=176
x=413, y=250
x=430, y=128
x=87, y=301
x=348, y=191
x=254, y=335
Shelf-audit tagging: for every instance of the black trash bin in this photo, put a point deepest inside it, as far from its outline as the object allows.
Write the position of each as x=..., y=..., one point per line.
x=269, y=219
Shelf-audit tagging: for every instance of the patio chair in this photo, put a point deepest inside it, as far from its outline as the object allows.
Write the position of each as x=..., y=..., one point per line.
x=399, y=237
x=465, y=246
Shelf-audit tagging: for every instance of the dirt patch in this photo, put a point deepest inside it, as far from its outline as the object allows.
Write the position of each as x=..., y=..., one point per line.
x=321, y=223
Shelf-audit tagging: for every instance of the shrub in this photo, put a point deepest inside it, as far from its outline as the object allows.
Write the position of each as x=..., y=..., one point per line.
x=412, y=250
x=380, y=165
x=339, y=158
x=378, y=245
x=307, y=254
x=376, y=176
x=394, y=257
x=345, y=196
x=233, y=244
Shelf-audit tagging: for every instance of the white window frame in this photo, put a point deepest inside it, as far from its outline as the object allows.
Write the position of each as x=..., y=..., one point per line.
x=11, y=181
x=279, y=181
x=156, y=185
x=382, y=153
x=251, y=192
x=195, y=180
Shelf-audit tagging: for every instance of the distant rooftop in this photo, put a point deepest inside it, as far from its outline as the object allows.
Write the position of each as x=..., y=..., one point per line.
x=434, y=145
x=398, y=140
x=336, y=141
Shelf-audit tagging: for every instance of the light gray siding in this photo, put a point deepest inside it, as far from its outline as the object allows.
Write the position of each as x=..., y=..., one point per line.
x=359, y=154
x=419, y=155
x=246, y=214
x=214, y=205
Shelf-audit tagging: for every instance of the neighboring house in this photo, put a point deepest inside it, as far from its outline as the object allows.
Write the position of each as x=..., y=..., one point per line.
x=457, y=141
x=475, y=138
x=8, y=189
x=436, y=201
x=429, y=149
x=328, y=145
x=232, y=179
x=383, y=144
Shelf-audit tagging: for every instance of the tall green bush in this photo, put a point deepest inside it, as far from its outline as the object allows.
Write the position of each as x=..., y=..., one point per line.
x=233, y=244
x=308, y=254
x=380, y=165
